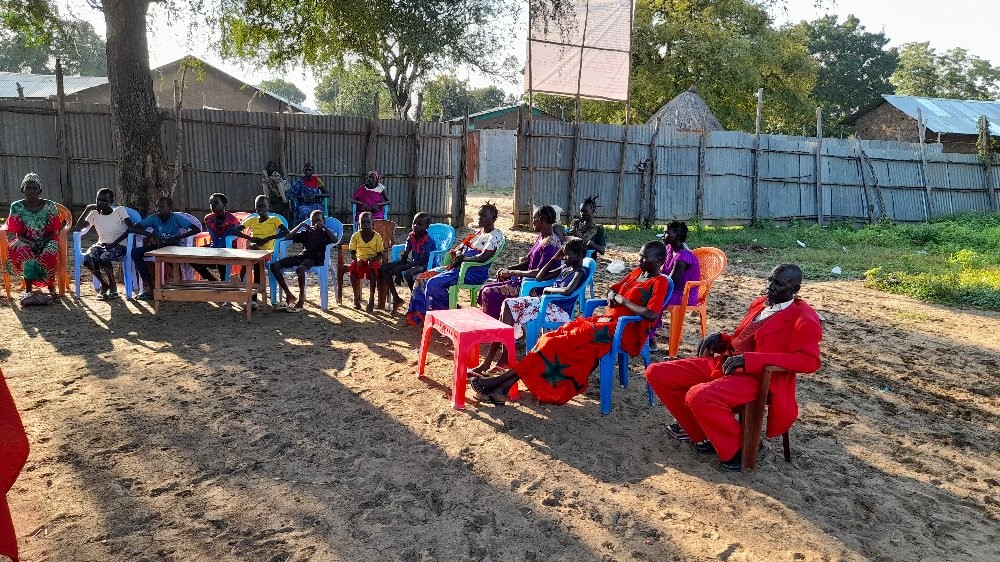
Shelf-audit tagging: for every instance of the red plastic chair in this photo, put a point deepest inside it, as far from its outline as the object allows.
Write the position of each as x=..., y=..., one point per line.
x=712, y=262
x=13, y=455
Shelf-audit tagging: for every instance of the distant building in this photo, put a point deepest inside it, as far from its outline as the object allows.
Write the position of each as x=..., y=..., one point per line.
x=504, y=117
x=205, y=86
x=953, y=123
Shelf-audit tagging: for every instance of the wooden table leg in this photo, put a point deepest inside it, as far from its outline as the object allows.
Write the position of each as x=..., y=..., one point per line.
x=157, y=283
x=263, y=283
x=249, y=295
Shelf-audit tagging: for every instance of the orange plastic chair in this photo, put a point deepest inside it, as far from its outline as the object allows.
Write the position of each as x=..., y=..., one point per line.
x=62, y=261
x=712, y=262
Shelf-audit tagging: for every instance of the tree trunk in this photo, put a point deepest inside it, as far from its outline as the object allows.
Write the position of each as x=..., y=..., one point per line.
x=135, y=119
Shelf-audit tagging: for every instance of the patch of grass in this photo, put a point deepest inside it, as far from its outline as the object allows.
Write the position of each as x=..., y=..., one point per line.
x=954, y=260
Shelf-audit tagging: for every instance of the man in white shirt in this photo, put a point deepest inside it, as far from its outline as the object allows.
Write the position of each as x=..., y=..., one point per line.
x=779, y=330
x=109, y=222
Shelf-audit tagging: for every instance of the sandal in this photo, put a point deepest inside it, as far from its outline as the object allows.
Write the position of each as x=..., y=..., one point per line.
x=677, y=432
x=102, y=296
x=111, y=295
x=293, y=309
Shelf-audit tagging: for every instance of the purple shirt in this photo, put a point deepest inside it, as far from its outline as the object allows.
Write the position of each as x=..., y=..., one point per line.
x=692, y=273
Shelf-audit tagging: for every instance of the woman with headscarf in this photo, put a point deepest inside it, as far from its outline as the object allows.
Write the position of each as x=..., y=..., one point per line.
x=371, y=197
x=307, y=192
x=35, y=223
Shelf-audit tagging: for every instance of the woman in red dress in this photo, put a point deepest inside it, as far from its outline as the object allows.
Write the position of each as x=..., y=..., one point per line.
x=558, y=367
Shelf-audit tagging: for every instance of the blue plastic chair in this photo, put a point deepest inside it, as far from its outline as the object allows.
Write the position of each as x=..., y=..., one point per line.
x=274, y=250
x=533, y=329
x=128, y=268
x=355, y=213
x=608, y=361
x=443, y=236
x=187, y=273
x=321, y=271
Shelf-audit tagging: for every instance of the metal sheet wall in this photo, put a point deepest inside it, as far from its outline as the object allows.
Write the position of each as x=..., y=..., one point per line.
x=225, y=151
x=787, y=167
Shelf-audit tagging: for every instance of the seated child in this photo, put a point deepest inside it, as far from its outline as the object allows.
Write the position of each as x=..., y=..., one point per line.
x=430, y=291
x=314, y=237
x=263, y=230
x=412, y=262
x=169, y=228
x=220, y=224
x=366, y=249
x=109, y=222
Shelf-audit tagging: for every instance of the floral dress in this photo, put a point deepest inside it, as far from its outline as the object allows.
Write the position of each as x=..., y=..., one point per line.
x=28, y=226
x=492, y=295
x=559, y=366
x=305, y=193
x=526, y=309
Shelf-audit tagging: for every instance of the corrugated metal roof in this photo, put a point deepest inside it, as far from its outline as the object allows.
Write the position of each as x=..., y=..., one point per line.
x=44, y=85
x=498, y=110
x=949, y=116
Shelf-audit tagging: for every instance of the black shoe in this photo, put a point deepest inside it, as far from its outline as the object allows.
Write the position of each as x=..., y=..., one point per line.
x=677, y=432
x=735, y=464
x=145, y=296
x=704, y=447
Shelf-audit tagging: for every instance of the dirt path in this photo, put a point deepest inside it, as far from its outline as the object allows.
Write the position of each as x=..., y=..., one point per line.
x=193, y=435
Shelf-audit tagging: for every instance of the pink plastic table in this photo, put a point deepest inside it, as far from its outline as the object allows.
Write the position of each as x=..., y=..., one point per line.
x=467, y=328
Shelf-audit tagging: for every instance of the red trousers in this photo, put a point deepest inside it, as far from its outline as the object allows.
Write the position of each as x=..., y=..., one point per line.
x=702, y=399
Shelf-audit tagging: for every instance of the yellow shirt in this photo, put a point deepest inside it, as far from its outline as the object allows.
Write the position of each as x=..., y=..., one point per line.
x=259, y=229
x=366, y=250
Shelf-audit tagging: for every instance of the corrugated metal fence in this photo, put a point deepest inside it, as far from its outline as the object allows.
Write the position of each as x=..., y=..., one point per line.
x=226, y=151
x=664, y=174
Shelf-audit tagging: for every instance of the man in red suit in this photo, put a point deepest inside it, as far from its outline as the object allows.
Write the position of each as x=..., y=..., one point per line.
x=780, y=329
x=13, y=454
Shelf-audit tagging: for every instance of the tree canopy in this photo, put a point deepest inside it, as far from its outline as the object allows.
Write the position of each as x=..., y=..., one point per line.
x=75, y=42
x=283, y=88
x=404, y=40
x=447, y=97
x=351, y=90
x=955, y=74
x=854, y=66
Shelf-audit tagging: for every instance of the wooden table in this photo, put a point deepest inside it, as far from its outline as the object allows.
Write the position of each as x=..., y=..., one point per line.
x=207, y=291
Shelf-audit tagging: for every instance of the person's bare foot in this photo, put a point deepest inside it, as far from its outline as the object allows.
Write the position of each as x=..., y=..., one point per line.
x=301, y=303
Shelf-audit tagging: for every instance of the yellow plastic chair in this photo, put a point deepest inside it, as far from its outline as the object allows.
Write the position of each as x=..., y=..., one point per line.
x=712, y=262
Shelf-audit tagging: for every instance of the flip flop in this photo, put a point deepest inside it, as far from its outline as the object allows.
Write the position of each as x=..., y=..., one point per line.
x=293, y=309
x=677, y=432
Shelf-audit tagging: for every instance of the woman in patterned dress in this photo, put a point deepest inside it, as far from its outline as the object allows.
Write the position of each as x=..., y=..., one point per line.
x=35, y=223
x=559, y=366
x=508, y=283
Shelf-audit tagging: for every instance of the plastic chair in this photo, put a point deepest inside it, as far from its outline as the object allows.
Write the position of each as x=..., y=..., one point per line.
x=203, y=239
x=533, y=329
x=128, y=268
x=385, y=229
x=473, y=288
x=355, y=213
x=608, y=360
x=187, y=272
x=712, y=262
x=751, y=417
x=321, y=271
x=443, y=236
x=62, y=259
x=242, y=242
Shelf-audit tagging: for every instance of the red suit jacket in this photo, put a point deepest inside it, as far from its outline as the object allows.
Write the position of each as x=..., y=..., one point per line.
x=790, y=340
x=13, y=454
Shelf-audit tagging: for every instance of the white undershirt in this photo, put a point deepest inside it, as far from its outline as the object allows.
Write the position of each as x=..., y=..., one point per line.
x=769, y=311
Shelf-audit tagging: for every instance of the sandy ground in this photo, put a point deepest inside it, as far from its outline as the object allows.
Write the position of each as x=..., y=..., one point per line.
x=193, y=435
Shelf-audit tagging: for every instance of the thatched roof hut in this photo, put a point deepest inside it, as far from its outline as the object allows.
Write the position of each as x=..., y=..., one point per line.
x=687, y=112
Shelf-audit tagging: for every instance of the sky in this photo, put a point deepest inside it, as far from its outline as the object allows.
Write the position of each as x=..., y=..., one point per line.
x=970, y=24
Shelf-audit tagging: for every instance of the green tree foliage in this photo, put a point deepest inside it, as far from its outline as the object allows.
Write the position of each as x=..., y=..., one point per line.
x=283, y=88
x=854, y=67
x=449, y=96
x=75, y=42
x=405, y=40
x=728, y=49
x=351, y=90
x=952, y=74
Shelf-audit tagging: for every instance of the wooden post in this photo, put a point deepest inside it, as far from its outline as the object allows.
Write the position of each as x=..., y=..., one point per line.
x=573, y=180
x=700, y=189
x=283, y=142
x=755, y=181
x=370, y=148
x=20, y=90
x=866, y=201
x=819, y=166
x=529, y=169
x=177, y=189
x=928, y=202
x=621, y=182
x=518, y=155
x=415, y=157
x=652, y=167
x=458, y=198
x=986, y=140
x=62, y=142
